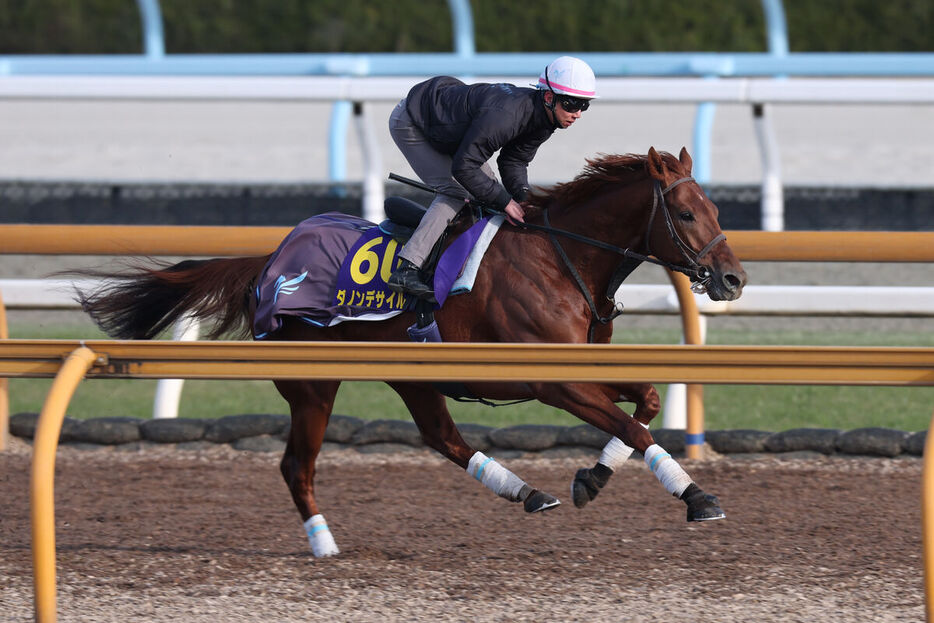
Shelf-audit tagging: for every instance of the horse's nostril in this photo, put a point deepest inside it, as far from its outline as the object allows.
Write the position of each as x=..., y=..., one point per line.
x=732, y=282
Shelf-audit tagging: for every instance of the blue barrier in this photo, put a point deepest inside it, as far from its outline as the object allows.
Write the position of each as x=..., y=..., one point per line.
x=610, y=64
x=153, y=35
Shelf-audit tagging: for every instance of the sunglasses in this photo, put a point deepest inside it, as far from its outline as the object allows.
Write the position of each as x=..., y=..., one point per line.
x=572, y=104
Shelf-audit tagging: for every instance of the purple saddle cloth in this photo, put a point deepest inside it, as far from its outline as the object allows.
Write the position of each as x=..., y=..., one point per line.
x=333, y=267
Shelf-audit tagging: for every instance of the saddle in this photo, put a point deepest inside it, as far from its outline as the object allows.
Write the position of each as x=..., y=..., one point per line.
x=404, y=217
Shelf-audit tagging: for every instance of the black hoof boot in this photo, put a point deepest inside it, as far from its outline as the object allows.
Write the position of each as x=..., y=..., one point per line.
x=588, y=482
x=538, y=501
x=701, y=506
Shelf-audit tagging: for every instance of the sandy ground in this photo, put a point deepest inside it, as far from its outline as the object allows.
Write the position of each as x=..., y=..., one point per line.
x=165, y=535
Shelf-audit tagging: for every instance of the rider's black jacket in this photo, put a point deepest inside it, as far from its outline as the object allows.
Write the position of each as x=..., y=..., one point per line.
x=471, y=122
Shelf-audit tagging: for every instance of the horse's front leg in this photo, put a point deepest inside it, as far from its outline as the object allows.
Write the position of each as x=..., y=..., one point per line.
x=438, y=430
x=590, y=403
x=588, y=481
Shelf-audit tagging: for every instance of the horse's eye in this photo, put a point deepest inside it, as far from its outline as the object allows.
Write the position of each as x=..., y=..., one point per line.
x=686, y=216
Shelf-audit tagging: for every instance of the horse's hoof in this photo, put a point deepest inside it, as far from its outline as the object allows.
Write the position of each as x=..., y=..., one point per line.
x=584, y=487
x=540, y=501
x=705, y=508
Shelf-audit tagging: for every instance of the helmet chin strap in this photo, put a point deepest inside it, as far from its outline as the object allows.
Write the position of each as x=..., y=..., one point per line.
x=551, y=108
x=554, y=101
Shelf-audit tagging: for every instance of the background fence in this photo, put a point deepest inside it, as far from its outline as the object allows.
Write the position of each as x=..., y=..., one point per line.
x=273, y=76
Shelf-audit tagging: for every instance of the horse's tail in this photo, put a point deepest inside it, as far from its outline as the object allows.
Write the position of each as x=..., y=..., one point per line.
x=142, y=302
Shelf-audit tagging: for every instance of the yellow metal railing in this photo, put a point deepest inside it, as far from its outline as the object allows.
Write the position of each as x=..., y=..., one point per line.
x=146, y=240
x=4, y=385
x=690, y=326
x=927, y=522
x=151, y=240
x=797, y=365
x=154, y=240
x=424, y=362
x=42, y=487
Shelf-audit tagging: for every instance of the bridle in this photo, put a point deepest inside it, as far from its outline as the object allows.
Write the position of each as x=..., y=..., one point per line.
x=700, y=276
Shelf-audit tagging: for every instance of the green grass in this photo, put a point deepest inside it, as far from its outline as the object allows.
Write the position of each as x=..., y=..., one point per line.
x=726, y=406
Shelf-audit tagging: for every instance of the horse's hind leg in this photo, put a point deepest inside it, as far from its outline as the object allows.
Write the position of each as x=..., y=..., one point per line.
x=439, y=432
x=310, y=403
x=589, y=480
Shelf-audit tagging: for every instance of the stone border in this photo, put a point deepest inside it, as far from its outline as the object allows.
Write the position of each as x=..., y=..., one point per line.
x=267, y=433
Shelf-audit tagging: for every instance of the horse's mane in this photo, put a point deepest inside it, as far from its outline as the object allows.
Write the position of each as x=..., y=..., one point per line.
x=601, y=171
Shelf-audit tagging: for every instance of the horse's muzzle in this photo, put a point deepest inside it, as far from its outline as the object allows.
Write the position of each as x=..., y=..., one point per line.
x=725, y=285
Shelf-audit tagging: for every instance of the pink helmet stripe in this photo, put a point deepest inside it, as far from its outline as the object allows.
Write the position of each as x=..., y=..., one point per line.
x=569, y=90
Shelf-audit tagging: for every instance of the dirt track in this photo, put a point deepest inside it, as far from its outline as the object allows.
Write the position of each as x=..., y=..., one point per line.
x=166, y=535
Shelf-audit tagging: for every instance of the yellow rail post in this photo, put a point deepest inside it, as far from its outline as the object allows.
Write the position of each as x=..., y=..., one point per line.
x=4, y=385
x=690, y=322
x=927, y=522
x=42, y=485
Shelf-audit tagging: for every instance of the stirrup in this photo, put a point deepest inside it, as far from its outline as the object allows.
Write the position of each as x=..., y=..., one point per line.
x=406, y=280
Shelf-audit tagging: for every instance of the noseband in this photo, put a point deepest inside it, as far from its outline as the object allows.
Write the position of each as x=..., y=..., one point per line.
x=699, y=275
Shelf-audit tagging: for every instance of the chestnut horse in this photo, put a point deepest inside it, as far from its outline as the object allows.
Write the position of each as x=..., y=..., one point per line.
x=544, y=283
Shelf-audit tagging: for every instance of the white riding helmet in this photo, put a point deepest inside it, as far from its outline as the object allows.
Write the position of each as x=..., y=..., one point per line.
x=569, y=76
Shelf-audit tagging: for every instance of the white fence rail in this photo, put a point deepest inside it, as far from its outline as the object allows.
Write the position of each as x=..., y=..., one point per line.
x=753, y=91
x=783, y=300
x=392, y=89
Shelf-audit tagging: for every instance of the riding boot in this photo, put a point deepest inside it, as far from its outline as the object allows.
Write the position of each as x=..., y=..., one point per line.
x=408, y=280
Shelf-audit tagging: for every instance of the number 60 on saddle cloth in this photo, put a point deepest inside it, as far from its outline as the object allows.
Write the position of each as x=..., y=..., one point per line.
x=333, y=267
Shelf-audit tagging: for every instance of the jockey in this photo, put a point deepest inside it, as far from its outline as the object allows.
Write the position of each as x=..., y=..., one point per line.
x=448, y=131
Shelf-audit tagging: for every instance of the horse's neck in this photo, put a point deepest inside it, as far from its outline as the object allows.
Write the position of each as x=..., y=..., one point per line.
x=619, y=218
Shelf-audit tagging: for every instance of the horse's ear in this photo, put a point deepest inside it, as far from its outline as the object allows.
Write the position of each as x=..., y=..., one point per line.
x=686, y=161
x=655, y=165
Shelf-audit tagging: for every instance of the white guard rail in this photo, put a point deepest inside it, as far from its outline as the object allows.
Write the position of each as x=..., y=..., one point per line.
x=391, y=89
x=757, y=92
x=784, y=300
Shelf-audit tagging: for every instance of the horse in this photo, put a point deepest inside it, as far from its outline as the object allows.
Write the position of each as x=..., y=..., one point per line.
x=539, y=282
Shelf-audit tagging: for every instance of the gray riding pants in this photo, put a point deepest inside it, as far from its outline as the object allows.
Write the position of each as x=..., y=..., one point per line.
x=434, y=168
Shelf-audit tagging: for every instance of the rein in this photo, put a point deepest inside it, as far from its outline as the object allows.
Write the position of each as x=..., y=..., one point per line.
x=698, y=274
x=693, y=270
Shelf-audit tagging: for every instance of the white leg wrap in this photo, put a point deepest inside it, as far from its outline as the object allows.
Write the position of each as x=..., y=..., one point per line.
x=614, y=454
x=319, y=537
x=495, y=477
x=667, y=470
